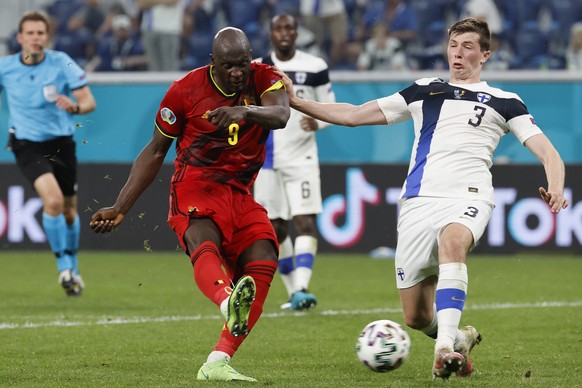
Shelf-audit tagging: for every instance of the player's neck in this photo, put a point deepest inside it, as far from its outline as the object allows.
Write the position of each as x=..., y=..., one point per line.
x=285, y=55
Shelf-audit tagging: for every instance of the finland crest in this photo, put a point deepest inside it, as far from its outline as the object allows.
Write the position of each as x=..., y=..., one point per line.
x=483, y=98
x=300, y=77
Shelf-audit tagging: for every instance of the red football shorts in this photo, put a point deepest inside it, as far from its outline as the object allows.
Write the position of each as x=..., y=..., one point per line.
x=239, y=217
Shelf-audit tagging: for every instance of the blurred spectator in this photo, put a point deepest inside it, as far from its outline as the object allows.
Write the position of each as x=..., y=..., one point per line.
x=120, y=49
x=501, y=55
x=200, y=15
x=574, y=50
x=90, y=15
x=400, y=17
x=78, y=44
x=114, y=8
x=485, y=10
x=61, y=11
x=251, y=16
x=200, y=26
x=382, y=51
x=433, y=17
x=328, y=20
x=161, y=25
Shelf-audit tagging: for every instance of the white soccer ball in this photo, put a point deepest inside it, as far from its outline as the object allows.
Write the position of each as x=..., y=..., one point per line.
x=383, y=345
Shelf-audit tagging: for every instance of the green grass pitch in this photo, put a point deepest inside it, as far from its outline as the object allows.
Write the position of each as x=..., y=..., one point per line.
x=143, y=323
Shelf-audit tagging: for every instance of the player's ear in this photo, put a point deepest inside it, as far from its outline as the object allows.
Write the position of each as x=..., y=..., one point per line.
x=486, y=56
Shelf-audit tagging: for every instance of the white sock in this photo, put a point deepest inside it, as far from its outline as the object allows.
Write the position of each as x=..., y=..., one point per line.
x=217, y=355
x=450, y=299
x=431, y=329
x=286, y=266
x=305, y=251
x=224, y=308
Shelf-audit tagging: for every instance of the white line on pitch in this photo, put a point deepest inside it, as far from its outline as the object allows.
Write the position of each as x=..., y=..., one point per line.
x=124, y=321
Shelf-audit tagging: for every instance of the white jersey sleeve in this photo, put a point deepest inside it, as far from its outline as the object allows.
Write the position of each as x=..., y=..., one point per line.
x=457, y=130
x=292, y=146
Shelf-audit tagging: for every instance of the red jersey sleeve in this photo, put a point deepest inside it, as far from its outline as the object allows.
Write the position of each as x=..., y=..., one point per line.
x=170, y=117
x=265, y=78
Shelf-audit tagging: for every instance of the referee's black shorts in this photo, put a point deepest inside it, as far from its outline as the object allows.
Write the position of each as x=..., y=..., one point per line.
x=57, y=156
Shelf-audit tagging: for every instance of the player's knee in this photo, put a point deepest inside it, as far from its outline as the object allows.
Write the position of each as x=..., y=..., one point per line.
x=281, y=229
x=305, y=225
x=263, y=250
x=54, y=205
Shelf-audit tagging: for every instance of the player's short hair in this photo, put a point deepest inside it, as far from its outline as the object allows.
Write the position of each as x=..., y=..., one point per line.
x=284, y=15
x=473, y=25
x=35, y=16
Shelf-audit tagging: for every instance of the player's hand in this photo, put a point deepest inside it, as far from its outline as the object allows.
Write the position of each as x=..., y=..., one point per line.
x=224, y=116
x=308, y=124
x=557, y=201
x=105, y=220
x=65, y=103
x=288, y=84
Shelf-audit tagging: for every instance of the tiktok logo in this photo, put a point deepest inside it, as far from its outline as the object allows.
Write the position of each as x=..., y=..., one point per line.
x=351, y=206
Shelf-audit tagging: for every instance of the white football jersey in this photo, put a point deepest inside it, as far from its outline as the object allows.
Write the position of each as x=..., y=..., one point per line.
x=457, y=129
x=292, y=146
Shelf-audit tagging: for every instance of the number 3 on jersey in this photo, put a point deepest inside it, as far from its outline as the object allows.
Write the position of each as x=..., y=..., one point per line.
x=233, y=133
x=475, y=121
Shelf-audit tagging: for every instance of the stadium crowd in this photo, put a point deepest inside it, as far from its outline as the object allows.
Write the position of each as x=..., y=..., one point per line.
x=132, y=35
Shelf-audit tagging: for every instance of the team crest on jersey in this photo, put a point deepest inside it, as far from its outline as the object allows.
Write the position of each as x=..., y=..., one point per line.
x=248, y=100
x=483, y=98
x=168, y=116
x=300, y=77
x=459, y=94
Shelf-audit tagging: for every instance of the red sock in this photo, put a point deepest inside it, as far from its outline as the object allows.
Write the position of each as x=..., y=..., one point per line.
x=209, y=273
x=262, y=272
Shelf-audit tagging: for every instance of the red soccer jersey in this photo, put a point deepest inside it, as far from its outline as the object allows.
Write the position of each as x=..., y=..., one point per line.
x=231, y=155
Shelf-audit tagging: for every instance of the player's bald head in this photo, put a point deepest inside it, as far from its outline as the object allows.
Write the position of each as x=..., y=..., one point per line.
x=229, y=41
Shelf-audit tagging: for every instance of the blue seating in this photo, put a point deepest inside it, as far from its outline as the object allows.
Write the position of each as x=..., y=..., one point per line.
x=198, y=49
x=242, y=13
x=286, y=6
x=564, y=14
x=531, y=48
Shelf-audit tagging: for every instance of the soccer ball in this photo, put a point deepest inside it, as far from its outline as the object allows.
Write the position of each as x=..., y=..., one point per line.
x=383, y=345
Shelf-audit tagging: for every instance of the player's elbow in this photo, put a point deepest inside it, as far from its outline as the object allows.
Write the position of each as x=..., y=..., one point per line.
x=353, y=116
x=281, y=118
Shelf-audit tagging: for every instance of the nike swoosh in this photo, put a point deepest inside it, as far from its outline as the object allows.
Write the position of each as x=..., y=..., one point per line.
x=204, y=374
x=456, y=299
x=433, y=93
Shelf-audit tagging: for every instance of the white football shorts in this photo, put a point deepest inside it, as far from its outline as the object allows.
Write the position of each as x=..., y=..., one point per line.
x=288, y=192
x=420, y=223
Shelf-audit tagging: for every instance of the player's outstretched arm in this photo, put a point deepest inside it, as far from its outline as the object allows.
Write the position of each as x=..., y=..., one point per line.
x=543, y=149
x=338, y=113
x=145, y=168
